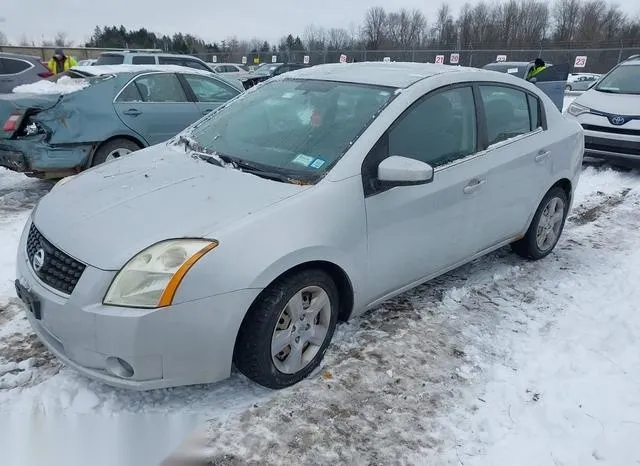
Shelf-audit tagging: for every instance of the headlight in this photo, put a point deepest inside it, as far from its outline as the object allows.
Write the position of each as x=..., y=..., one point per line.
x=62, y=182
x=152, y=277
x=577, y=109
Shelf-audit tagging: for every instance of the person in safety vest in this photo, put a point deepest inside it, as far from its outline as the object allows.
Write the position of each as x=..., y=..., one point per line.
x=538, y=66
x=60, y=62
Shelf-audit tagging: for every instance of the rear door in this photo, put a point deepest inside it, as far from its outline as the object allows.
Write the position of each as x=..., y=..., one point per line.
x=518, y=162
x=209, y=93
x=156, y=106
x=552, y=81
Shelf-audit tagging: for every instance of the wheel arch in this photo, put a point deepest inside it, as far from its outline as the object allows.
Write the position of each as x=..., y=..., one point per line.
x=339, y=276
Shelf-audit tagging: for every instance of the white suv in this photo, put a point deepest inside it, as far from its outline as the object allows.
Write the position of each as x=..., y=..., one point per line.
x=609, y=112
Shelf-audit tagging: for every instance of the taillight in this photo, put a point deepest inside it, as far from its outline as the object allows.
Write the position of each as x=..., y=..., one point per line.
x=12, y=124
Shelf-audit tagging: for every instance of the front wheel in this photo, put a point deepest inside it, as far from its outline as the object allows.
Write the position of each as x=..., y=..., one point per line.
x=546, y=226
x=287, y=330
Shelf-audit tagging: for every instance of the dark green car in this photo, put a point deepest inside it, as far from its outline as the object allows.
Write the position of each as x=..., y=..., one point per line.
x=93, y=114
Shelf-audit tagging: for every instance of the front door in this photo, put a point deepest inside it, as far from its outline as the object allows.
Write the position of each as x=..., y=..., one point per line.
x=417, y=231
x=156, y=107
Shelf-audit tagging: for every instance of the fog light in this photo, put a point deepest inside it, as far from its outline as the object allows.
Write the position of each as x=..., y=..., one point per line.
x=119, y=367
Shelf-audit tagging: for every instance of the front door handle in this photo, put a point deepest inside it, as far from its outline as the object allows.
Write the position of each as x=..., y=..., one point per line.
x=132, y=112
x=542, y=156
x=473, y=185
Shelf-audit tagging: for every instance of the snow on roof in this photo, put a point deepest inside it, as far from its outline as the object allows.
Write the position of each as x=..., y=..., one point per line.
x=98, y=70
x=64, y=85
x=396, y=74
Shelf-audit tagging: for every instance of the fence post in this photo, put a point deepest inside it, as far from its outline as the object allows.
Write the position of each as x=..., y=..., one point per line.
x=620, y=52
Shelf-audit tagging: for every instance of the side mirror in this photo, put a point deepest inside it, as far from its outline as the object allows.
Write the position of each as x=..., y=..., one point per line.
x=404, y=171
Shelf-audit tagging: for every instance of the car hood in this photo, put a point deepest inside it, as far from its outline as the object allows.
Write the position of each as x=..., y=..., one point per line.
x=615, y=104
x=106, y=215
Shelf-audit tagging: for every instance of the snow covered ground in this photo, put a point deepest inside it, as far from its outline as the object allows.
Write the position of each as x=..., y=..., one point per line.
x=501, y=362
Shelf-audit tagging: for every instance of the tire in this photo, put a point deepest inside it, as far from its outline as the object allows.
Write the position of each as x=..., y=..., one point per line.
x=568, y=88
x=108, y=148
x=529, y=247
x=272, y=312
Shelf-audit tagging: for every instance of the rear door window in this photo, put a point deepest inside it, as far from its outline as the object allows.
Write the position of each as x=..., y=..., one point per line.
x=110, y=59
x=507, y=113
x=143, y=60
x=195, y=64
x=11, y=66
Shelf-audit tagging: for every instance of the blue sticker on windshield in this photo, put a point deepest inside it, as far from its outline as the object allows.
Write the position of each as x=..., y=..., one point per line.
x=317, y=163
x=302, y=159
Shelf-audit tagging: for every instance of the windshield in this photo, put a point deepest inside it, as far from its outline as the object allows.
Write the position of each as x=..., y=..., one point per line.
x=624, y=79
x=292, y=126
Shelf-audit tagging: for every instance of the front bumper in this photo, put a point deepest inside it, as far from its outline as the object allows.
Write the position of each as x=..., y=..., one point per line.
x=185, y=344
x=35, y=156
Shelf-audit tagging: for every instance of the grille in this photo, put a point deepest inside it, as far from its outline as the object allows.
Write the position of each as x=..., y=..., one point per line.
x=58, y=270
x=607, y=129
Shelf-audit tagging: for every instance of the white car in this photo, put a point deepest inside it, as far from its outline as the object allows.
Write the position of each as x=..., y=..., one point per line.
x=609, y=112
x=245, y=239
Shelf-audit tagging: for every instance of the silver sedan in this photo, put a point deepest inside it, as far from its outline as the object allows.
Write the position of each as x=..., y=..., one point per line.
x=303, y=202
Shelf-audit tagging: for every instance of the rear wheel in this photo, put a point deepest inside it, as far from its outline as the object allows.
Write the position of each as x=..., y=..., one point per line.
x=567, y=87
x=546, y=226
x=113, y=150
x=286, y=332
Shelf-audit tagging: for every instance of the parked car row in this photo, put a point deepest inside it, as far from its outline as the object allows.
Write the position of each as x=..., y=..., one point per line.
x=345, y=185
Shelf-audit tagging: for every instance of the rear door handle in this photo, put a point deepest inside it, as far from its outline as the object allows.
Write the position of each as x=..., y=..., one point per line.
x=473, y=185
x=542, y=156
x=132, y=112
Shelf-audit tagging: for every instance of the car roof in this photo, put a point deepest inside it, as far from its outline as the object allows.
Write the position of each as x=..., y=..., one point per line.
x=99, y=70
x=396, y=74
x=20, y=56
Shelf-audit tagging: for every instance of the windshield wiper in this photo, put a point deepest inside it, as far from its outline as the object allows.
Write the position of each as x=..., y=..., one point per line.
x=260, y=171
x=202, y=153
x=608, y=91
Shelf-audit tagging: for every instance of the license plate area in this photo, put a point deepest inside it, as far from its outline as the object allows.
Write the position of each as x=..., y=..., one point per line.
x=32, y=303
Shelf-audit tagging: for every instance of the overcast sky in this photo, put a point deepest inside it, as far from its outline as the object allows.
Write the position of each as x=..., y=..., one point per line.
x=209, y=19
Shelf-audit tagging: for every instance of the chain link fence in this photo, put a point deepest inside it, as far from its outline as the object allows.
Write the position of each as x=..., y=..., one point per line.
x=599, y=60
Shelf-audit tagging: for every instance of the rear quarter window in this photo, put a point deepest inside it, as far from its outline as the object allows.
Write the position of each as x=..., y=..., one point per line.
x=11, y=66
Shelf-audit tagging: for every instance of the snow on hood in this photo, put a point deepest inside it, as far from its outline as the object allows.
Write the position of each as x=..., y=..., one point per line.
x=64, y=85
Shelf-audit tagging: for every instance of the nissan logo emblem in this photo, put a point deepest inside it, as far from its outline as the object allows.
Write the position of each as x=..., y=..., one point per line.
x=38, y=260
x=617, y=120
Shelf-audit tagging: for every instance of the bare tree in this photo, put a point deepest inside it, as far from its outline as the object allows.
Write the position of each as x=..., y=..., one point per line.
x=24, y=41
x=406, y=28
x=444, y=31
x=565, y=19
x=314, y=37
x=3, y=39
x=373, y=31
x=60, y=40
x=338, y=39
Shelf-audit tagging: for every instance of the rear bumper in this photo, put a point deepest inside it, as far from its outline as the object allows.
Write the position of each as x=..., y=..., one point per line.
x=36, y=157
